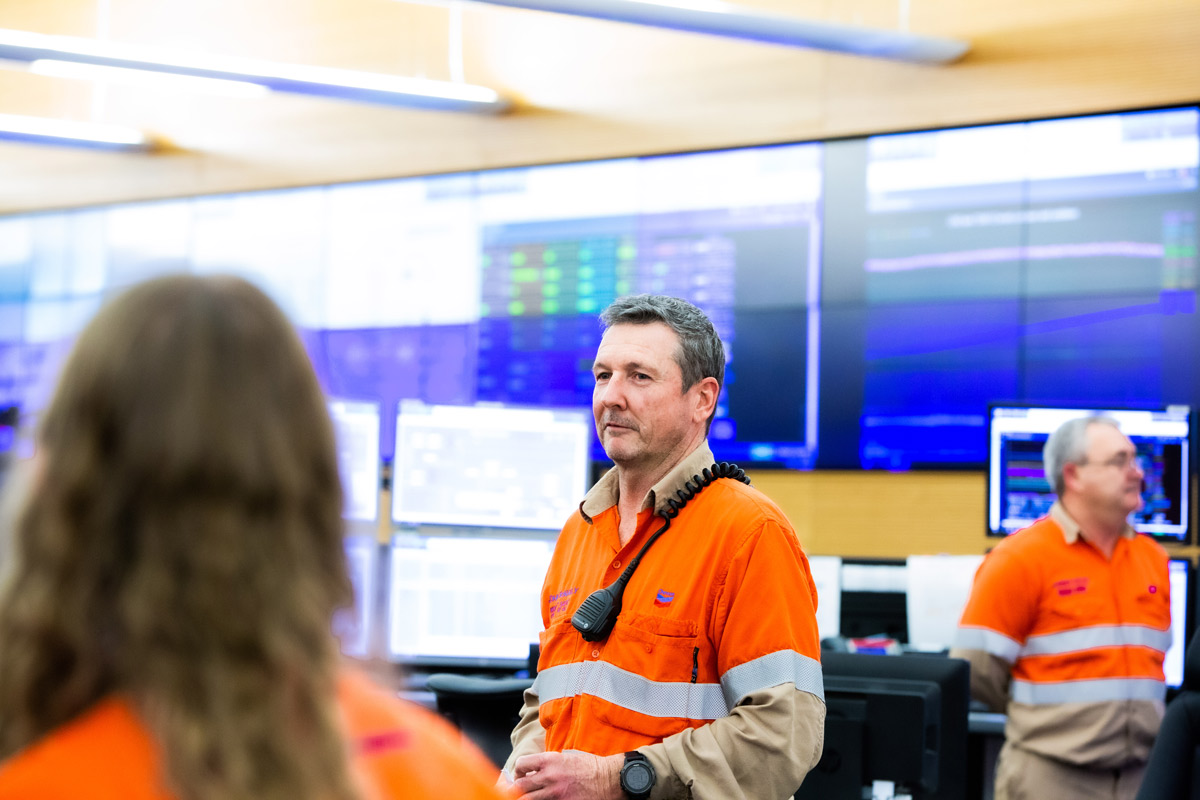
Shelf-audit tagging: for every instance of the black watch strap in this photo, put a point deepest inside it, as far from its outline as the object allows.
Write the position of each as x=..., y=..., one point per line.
x=637, y=776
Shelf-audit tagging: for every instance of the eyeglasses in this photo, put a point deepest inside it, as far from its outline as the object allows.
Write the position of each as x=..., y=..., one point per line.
x=1122, y=461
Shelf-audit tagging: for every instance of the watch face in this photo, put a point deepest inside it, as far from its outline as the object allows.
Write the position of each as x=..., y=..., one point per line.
x=637, y=778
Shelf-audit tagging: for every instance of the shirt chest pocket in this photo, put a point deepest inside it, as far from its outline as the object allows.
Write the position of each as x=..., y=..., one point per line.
x=653, y=663
x=1152, y=609
x=1074, y=607
x=656, y=648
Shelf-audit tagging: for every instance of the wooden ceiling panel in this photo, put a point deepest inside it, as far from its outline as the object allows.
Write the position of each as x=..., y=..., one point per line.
x=585, y=88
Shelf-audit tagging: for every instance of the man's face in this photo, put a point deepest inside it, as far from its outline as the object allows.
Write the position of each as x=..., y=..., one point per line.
x=1110, y=479
x=642, y=415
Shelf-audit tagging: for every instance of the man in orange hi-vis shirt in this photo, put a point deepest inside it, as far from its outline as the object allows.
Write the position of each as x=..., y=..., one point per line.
x=165, y=625
x=702, y=677
x=1067, y=626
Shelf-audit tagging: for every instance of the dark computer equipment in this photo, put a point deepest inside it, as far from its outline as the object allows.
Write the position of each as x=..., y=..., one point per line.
x=485, y=709
x=1019, y=492
x=873, y=600
x=892, y=718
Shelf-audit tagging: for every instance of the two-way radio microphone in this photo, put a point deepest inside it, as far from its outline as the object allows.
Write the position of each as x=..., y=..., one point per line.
x=597, y=614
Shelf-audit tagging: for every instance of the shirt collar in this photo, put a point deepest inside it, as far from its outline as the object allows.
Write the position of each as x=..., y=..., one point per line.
x=606, y=492
x=1070, y=527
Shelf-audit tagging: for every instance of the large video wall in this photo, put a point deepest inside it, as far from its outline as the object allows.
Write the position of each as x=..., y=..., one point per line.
x=874, y=294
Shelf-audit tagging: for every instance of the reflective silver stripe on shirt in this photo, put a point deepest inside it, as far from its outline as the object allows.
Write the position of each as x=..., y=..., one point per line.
x=679, y=699
x=1090, y=691
x=773, y=669
x=623, y=688
x=970, y=637
x=1097, y=636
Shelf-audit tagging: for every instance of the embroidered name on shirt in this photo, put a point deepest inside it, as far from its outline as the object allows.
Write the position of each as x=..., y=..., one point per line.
x=560, y=601
x=383, y=742
x=1070, y=586
x=663, y=598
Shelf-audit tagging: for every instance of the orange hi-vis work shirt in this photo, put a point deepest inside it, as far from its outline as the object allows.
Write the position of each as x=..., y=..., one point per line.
x=722, y=605
x=107, y=753
x=1085, y=637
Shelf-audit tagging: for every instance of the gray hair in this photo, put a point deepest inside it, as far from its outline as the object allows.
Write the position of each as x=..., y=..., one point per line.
x=1068, y=445
x=700, y=354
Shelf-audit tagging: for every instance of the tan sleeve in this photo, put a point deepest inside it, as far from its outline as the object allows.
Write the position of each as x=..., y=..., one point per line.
x=990, y=677
x=761, y=751
x=529, y=736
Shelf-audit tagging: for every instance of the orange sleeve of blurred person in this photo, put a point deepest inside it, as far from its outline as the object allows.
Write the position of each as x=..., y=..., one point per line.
x=399, y=750
x=404, y=751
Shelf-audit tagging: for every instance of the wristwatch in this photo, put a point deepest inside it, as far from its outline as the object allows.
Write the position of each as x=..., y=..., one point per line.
x=637, y=776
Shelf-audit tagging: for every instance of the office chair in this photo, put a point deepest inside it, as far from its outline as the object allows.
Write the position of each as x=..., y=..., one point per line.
x=1173, y=772
x=485, y=709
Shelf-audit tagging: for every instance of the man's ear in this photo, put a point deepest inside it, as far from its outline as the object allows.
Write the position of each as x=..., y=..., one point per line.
x=1070, y=474
x=706, y=390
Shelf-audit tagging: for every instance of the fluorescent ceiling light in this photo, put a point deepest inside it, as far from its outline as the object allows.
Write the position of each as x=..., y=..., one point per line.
x=140, y=77
x=365, y=87
x=38, y=130
x=741, y=22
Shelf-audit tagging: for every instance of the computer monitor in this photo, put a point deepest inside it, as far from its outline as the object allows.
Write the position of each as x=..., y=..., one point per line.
x=1019, y=492
x=355, y=626
x=465, y=600
x=1181, y=620
x=873, y=599
x=892, y=718
x=489, y=466
x=356, y=427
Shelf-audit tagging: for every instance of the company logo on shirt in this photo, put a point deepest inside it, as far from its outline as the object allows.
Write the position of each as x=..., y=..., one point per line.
x=1070, y=586
x=663, y=598
x=560, y=601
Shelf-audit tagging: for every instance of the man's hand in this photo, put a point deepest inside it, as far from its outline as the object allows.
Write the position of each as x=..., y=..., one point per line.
x=568, y=776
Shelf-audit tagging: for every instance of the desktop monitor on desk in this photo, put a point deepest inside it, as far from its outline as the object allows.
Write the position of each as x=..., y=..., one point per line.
x=479, y=494
x=1182, y=623
x=356, y=429
x=355, y=626
x=892, y=718
x=465, y=599
x=1019, y=492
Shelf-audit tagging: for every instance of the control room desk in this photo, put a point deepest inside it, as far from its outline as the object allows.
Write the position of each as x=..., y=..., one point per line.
x=985, y=736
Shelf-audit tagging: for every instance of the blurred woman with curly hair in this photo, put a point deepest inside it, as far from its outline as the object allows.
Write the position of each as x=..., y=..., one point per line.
x=165, y=611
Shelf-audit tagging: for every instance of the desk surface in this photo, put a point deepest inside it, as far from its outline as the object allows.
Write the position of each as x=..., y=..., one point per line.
x=982, y=722
x=986, y=722
x=421, y=698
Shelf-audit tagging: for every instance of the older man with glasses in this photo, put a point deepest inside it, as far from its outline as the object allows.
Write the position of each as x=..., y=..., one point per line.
x=1067, y=626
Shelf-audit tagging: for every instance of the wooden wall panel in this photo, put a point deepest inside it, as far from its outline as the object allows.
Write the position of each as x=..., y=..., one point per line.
x=880, y=513
x=890, y=515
